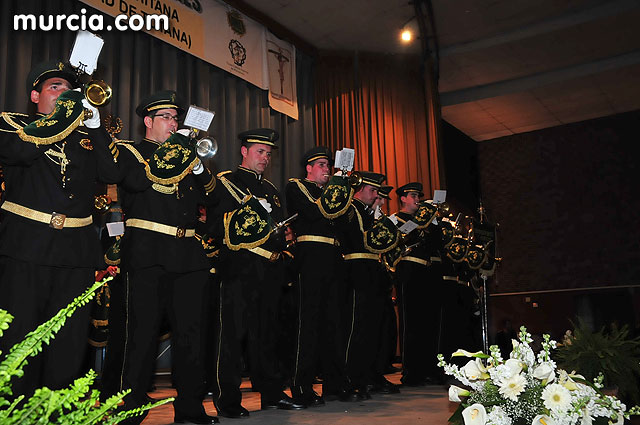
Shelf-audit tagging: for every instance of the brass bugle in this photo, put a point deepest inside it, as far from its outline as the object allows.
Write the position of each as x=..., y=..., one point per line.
x=206, y=147
x=355, y=179
x=97, y=92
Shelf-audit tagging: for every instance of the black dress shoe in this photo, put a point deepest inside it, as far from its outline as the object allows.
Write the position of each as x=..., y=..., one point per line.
x=341, y=394
x=233, y=412
x=383, y=386
x=202, y=418
x=307, y=396
x=362, y=393
x=285, y=403
x=315, y=400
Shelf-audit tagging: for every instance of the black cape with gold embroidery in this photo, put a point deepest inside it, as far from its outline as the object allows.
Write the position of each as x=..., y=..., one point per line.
x=145, y=200
x=34, y=180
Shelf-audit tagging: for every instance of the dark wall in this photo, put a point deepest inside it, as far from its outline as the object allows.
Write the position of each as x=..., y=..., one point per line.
x=460, y=154
x=567, y=200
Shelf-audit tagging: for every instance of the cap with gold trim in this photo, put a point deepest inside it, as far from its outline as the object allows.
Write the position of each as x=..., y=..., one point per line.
x=313, y=154
x=265, y=136
x=372, y=179
x=164, y=99
x=50, y=69
x=384, y=191
x=415, y=187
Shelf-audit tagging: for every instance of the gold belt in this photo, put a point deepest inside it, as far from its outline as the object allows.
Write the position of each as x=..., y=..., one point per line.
x=362, y=256
x=178, y=232
x=54, y=220
x=453, y=278
x=269, y=255
x=415, y=260
x=321, y=239
x=436, y=260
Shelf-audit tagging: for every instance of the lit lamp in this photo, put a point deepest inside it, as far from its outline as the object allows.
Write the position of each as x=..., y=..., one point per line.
x=408, y=31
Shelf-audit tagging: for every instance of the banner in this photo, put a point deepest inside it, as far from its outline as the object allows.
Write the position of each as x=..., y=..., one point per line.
x=281, y=64
x=208, y=29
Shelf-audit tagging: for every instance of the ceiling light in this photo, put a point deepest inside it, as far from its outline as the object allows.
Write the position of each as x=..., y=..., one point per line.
x=409, y=30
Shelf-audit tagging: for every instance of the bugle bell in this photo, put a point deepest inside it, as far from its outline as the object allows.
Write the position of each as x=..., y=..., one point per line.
x=206, y=147
x=355, y=179
x=98, y=93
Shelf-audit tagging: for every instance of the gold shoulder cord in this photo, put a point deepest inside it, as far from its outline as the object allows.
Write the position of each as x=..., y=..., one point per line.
x=232, y=188
x=304, y=190
x=161, y=188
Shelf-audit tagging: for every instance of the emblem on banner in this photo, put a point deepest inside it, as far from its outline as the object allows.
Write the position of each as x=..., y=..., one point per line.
x=236, y=23
x=238, y=52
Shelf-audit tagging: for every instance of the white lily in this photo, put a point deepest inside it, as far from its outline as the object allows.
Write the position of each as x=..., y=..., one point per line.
x=475, y=415
x=475, y=370
x=586, y=418
x=456, y=392
x=545, y=373
x=465, y=353
x=543, y=420
x=619, y=421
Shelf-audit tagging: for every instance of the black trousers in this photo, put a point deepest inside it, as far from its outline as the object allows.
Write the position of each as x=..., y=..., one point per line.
x=33, y=294
x=153, y=293
x=114, y=358
x=321, y=300
x=250, y=291
x=421, y=296
x=369, y=294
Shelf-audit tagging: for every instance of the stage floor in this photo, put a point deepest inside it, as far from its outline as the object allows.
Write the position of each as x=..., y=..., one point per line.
x=414, y=405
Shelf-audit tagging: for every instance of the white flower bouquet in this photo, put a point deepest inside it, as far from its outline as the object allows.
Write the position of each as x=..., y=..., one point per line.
x=528, y=390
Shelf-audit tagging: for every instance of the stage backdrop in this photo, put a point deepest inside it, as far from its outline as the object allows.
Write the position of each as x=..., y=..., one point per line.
x=136, y=64
x=375, y=104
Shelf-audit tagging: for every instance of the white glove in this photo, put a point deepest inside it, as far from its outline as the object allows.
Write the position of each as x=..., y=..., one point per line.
x=266, y=205
x=377, y=213
x=338, y=173
x=199, y=168
x=185, y=132
x=94, y=121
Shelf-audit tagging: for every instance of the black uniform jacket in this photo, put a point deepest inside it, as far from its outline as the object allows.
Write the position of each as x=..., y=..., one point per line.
x=352, y=225
x=426, y=242
x=140, y=200
x=301, y=196
x=235, y=185
x=34, y=180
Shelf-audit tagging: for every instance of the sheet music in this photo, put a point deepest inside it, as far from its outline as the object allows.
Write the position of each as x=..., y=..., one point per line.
x=86, y=50
x=199, y=118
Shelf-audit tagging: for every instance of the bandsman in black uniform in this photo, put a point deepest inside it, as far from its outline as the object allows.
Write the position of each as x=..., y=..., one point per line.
x=51, y=160
x=418, y=279
x=365, y=276
x=165, y=268
x=389, y=326
x=321, y=289
x=252, y=276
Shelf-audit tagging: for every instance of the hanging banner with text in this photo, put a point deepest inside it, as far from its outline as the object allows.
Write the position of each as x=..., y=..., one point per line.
x=281, y=63
x=208, y=29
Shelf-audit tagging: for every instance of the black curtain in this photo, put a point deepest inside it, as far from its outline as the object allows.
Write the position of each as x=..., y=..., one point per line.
x=136, y=64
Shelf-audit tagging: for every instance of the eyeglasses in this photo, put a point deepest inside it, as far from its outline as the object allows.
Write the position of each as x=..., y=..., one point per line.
x=167, y=117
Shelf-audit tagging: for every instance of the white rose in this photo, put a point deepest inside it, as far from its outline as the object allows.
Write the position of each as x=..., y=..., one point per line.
x=544, y=372
x=514, y=366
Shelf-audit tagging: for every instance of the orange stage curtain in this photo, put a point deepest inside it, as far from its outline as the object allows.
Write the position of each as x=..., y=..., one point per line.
x=376, y=105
